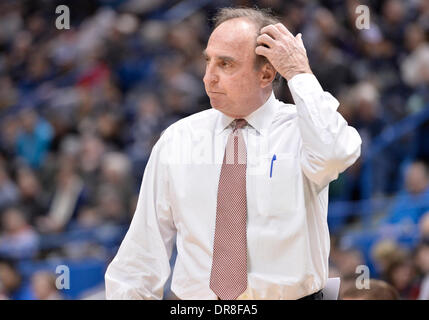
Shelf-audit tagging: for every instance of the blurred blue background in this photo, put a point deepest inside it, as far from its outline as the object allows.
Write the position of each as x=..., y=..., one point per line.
x=80, y=110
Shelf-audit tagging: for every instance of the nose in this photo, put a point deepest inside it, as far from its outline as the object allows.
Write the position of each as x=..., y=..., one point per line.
x=210, y=77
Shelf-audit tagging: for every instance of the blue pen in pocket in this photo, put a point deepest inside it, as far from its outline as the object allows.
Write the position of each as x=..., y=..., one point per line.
x=272, y=161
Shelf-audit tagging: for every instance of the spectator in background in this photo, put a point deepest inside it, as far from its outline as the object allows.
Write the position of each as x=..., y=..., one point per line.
x=43, y=285
x=414, y=200
x=116, y=176
x=347, y=260
x=69, y=195
x=12, y=285
x=18, y=239
x=9, y=193
x=92, y=149
x=89, y=217
x=422, y=262
x=369, y=122
x=385, y=253
x=415, y=66
x=34, y=140
x=8, y=92
x=378, y=290
x=145, y=130
x=325, y=37
x=33, y=200
x=402, y=275
x=424, y=226
x=111, y=207
x=9, y=131
x=392, y=23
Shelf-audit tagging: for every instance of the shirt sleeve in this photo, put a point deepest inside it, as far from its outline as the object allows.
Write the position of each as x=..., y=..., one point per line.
x=329, y=144
x=141, y=265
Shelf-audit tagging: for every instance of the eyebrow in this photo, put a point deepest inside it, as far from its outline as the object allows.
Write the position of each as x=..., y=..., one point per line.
x=225, y=58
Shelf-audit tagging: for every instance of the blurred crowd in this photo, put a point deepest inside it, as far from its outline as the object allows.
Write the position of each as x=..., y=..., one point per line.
x=80, y=110
x=403, y=271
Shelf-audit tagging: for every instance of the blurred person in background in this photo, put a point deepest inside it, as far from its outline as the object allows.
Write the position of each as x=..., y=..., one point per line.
x=415, y=67
x=9, y=193
x=110, y=206
x=69, y=195
x=34, y=140
x=12, y=285
x=91, y=151
x=43, y=285
x=412, y=202
x=8, y=95
x=421, y=258
x=347, y=260
x=369, y=122
x=148, y=116
x=18, y=239
x=33, y=198
x=116, y=175
x=424, y=226
x=384, y=253
x=402, y=275
x=378, y=290
x=9, y=131
x=89, y=217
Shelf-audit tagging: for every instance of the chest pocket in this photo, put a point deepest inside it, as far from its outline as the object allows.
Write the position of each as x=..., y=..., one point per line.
x=276, y=195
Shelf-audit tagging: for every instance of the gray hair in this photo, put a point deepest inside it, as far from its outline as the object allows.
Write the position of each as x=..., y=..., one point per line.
x=259, y=17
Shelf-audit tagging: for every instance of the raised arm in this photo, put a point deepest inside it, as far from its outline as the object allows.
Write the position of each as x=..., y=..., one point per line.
x=329, y=145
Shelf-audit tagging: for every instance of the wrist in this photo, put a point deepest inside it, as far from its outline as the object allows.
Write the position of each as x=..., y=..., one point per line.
x=292, y=73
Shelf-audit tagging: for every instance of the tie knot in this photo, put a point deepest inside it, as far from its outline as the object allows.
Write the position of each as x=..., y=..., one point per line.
x=239, y=123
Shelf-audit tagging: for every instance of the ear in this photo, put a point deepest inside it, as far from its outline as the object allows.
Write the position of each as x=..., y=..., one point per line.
x=267, y=74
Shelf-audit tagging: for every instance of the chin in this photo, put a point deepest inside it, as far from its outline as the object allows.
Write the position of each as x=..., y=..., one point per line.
x=216, y=104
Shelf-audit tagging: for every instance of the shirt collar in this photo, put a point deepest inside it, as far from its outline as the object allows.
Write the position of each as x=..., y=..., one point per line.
x=259, y=119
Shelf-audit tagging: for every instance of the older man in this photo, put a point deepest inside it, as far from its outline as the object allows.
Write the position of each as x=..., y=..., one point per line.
x=242, y=188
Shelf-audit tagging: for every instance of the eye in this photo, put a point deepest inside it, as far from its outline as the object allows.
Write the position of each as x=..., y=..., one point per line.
x=225, y=64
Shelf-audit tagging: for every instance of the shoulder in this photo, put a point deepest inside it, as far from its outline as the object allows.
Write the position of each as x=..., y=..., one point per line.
x=187, y=127
x=196, y=120
x=285, y=112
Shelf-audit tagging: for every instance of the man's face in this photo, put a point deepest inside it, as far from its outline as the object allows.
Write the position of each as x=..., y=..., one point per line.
x=231, y=80
x=416, y=178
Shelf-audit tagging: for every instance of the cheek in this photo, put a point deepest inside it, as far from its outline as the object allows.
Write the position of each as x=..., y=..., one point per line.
x=240, y=84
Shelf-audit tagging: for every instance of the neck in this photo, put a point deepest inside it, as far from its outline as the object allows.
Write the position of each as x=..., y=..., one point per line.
x=265, y=95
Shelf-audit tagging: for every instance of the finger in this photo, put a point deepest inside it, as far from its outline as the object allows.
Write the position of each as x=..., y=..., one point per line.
x=272, y=31
x=299, y=38
x=284, y=30
x=265, y=39
x=262, y=51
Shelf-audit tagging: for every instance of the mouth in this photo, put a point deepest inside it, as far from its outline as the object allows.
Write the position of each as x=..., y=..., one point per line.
x=214, y=92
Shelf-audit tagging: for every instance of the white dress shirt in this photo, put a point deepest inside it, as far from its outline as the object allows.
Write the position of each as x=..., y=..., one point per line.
x=287, y=231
